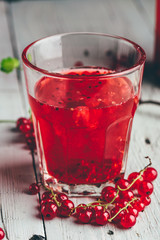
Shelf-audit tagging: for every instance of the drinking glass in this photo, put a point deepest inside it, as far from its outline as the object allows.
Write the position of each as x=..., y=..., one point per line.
x=83, y=89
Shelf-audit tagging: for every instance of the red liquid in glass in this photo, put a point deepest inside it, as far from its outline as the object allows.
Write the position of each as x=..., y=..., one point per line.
x=83, y=125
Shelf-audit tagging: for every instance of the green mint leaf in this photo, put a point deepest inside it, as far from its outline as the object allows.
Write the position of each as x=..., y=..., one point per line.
x=9, y=64
x=16, y=62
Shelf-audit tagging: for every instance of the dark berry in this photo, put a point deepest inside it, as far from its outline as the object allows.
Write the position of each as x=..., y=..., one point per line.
x=85, y=216
x=66, y=208
x=47, y=195
x=61, y=197
x=49, y=210
x=34, y=188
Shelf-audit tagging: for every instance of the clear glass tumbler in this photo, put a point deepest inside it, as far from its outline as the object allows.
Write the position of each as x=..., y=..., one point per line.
x=83, y=89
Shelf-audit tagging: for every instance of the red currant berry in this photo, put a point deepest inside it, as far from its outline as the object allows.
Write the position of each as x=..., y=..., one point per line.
x=21, y=121
x=26, y=128
x=66, y=208
x=31, y=143
x=121, y=203
x=49, y=210
x=30, y=135
x=122, y=183
x=150, y=174
x=138, y=205
x=80, y=208
x=127, y=195
x=85, y=216
x=133, y=176
x=2, y=234
x=61, y=197
x=114, y=211
x=46, y=201
x=109, y=193
x=133, y=211
x=146, y=200
x=102, y=217
x=34, y=188
x=145, y=188
x=47, y=195
x=128, y=220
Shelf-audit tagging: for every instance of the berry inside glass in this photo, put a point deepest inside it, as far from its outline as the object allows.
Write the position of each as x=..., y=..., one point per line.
x=82, y=117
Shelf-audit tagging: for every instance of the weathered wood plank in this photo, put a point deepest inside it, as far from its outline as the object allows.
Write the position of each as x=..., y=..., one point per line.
x=11, y=101
x=19, y=209
x=110, y=17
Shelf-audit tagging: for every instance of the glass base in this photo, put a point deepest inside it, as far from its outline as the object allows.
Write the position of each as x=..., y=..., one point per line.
x=82, y=190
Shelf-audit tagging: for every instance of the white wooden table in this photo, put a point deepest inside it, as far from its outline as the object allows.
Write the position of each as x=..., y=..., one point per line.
x=22, y=22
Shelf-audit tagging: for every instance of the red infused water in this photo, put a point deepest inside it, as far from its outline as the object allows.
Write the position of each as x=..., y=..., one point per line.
x=83, y=125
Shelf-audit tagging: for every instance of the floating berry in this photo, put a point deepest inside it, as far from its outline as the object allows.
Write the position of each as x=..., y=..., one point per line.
x=127, y=195
x=114, y=211
x=122, y=183
x=49, y=210
x=109, y=193
x=102, y=217
x=66, y=208
x=85, y=216
x=2, y=234
x=146, y=200
x=150, y=174
x=145, y=188
x=128, y=221
x=34, y=188
x=132, y=177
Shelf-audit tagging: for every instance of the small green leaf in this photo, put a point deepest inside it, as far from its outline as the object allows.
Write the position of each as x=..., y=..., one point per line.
x=9, y=64
x=16, y=62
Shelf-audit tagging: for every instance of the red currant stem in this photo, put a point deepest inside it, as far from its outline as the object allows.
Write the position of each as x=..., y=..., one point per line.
x=55, y=199
x=53, y=196
x=139, y=176
x=125, y=189
x=106, y=205
x=121, y=209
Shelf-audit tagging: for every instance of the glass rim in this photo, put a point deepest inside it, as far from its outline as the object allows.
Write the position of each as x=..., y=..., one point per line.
x=133, y=68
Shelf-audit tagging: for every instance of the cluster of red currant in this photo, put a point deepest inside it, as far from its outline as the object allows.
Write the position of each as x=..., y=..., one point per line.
x=120, y=204
x=25, y=125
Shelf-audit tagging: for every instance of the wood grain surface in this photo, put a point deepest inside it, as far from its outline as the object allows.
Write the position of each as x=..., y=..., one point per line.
x=22, y=22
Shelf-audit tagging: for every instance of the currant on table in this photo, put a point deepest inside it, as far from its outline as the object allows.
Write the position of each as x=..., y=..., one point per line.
x=120, y=204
